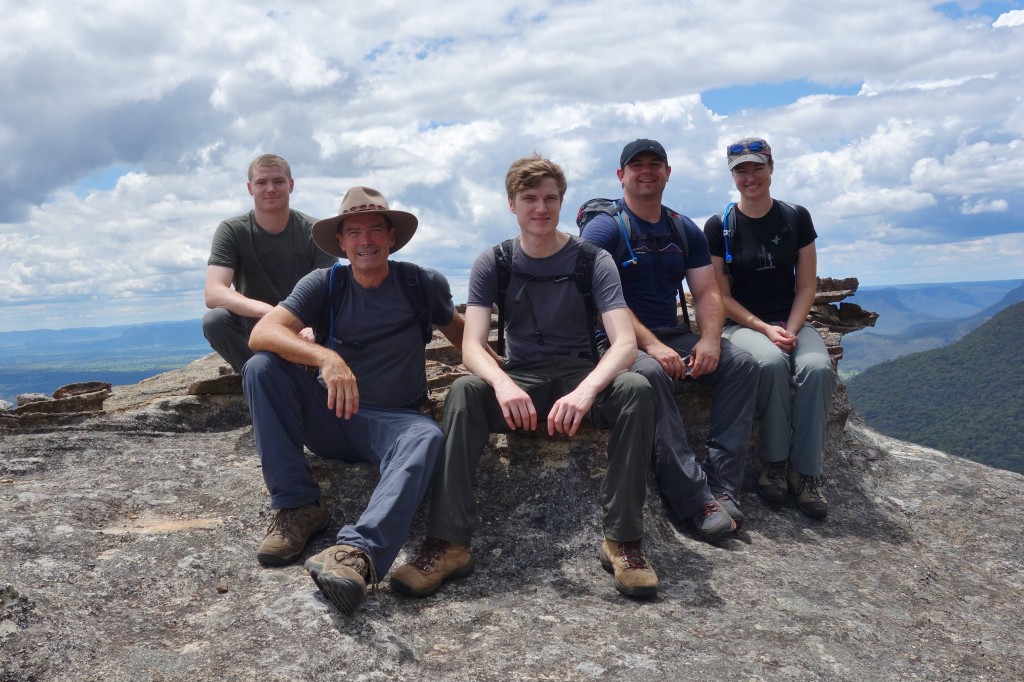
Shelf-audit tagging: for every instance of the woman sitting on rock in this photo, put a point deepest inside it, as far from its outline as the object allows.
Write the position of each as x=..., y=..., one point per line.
x=766, y=267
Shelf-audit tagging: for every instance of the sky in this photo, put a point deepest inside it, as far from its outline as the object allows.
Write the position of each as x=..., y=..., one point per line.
x=127, y=128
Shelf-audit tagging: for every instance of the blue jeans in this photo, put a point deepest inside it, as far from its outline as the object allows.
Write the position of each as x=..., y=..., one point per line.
x=289, y=410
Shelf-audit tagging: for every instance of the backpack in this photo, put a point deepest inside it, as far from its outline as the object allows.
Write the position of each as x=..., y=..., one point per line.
x=613, y=207
x=583, y=275
x=415, y=294
x=728, y=218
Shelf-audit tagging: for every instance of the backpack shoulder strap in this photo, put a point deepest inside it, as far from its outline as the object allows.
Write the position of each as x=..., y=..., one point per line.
x=414, y=288
x=788, y=212
x=337, y=280
x=585, y=284
x=503, y=261
x=679, y=226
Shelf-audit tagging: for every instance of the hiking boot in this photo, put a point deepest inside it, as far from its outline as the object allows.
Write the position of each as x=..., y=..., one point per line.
x=713, y=522
x=289, y=532
x=810, y=497
x=771, y=485
x=731, y=508
x=437, y=561
x=340, y=572
x=634, y=576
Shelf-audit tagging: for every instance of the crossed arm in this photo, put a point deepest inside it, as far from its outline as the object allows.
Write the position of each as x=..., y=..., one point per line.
x=219, y=293
x=282, y=333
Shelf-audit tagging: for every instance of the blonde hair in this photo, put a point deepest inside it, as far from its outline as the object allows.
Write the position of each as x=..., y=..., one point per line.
x=530, y=171
x=267, y=160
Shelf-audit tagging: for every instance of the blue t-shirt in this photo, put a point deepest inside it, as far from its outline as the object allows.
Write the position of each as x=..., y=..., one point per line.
x=651, y=285
x=390, y=372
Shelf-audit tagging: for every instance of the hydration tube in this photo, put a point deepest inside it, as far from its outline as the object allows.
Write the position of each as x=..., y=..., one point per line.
x=725, y=230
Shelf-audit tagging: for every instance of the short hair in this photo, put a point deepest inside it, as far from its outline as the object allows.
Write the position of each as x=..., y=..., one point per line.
x=269, y=160
x=530, y=171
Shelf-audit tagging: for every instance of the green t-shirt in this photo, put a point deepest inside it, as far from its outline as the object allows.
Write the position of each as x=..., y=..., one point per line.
x=267, y=266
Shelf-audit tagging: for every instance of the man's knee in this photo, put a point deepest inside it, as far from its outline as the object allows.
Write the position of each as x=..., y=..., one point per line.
x=635, y=388
x=649, y=368
x=464, y=391
x=215, y=321
x=260, y=366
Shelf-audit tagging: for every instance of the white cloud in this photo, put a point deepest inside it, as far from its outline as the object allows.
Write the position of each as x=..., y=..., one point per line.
x=1012, y=18
x=431, y=102
x=992, y=206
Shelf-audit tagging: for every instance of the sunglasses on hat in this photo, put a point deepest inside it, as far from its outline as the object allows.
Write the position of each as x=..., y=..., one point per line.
x=755, y=147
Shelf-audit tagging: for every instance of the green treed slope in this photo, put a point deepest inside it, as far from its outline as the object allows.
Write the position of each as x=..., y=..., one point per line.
x=966, y=399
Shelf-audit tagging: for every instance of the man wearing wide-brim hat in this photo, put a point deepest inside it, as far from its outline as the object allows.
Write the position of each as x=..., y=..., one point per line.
x=372, y=319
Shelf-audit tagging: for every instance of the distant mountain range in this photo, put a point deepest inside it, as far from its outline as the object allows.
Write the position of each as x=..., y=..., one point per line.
x=965, y=399
x=912, y=317
x=43, y=360
x=921, y=317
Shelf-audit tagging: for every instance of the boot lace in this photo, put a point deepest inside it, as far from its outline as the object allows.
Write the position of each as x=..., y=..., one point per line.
x=284, y=522
x=632, y=554
x=777, y=472
x=710, y=507
x=813, y=486
x=431, y=550
x=353, y=558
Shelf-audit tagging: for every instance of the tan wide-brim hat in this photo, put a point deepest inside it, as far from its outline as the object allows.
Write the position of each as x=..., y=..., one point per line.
x=363, y=201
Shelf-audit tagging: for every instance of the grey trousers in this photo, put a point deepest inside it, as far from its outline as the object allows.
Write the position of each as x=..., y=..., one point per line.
x=228, y=334
x=686, y=484
x=289, y=410
x=472, y=413
x=794, y=394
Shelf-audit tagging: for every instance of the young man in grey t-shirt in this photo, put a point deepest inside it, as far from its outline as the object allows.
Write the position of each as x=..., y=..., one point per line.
x=256, y=259
x=372, y=321
x=549, y=347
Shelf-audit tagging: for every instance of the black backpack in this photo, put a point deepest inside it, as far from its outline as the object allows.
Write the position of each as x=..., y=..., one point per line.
x=728, y=220
x=583, y=275
x=415, y=294
x=613, y=207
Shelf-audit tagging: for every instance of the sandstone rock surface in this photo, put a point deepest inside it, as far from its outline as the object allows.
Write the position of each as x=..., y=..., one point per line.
x=128, y=537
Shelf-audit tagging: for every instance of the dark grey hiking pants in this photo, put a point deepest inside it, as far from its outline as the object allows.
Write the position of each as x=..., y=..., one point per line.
x=686, y=484
x=472, y=413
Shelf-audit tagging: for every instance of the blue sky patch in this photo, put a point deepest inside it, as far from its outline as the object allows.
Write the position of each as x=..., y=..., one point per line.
x=726, y=101
x=104, y=179
x=958, y=10
x=432, y=46
x=372, y=55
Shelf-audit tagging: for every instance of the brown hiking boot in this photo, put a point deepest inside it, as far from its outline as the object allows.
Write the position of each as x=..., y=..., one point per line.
x=772, y=483
x=437, y=561
x=289, y=532
x=810, y=497
x=634, y=576
x=340, y=572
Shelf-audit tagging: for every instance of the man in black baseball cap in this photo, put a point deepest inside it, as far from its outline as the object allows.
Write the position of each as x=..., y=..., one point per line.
x=663, y=248
x=642, y=145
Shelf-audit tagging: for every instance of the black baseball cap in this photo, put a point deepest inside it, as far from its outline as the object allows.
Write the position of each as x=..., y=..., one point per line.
x=637, y=146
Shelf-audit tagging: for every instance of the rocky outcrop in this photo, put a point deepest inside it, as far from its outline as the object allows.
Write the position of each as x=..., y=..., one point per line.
x=128, y=537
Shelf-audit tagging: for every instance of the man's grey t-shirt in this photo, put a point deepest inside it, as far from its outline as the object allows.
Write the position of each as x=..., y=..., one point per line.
x=390, y=372
x=557, y=306
x=267, y=266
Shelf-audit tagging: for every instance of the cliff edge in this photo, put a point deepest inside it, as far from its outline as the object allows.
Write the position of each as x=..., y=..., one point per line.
x=128, y=538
